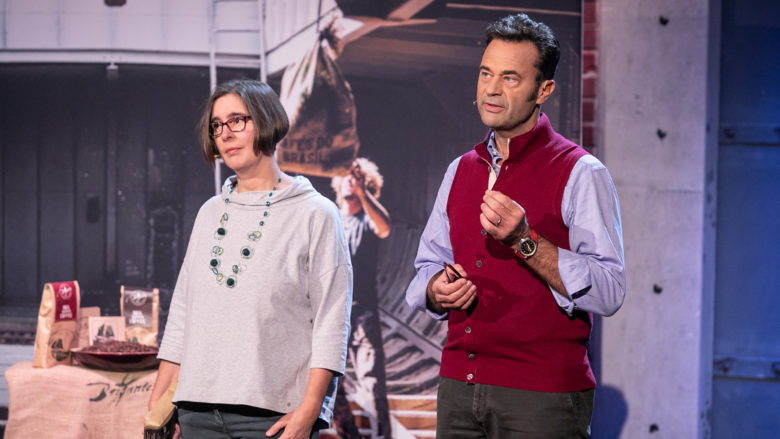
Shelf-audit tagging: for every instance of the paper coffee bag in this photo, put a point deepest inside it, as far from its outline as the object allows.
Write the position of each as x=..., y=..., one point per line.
x=82, y=334
x=57, y=324
x=140, y=308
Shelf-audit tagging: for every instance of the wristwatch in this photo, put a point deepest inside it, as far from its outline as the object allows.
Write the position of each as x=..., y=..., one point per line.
x=527, y=246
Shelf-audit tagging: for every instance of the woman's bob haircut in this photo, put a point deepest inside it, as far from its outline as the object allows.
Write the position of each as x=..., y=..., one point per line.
x=265, y=109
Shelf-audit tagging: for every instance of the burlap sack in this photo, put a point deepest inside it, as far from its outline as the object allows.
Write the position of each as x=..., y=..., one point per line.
x=141, y=309
x=57, y=324
x=75, y=402
x=318, y=100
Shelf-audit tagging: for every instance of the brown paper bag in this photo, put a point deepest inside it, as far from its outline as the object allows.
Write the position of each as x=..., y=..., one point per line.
x=82, y=334
x=160, y=421
x=141, y=309
x=318, y=100
x=57, y=324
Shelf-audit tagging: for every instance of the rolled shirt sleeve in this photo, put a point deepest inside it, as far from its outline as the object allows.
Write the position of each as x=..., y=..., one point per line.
x=435, y=247
x=593, y=271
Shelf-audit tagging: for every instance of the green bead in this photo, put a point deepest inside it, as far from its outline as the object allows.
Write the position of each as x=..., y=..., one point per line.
x=270, y=194
x=214, y=262
x=267, y=203
x=246, y=252
x=265, y=213
x=231, y=281
x=262, y=223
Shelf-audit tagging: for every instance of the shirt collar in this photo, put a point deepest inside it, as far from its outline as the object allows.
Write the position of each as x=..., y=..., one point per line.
x=495, y=155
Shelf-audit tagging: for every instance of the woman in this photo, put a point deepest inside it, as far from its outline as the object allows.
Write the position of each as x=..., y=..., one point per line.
x=259, y=319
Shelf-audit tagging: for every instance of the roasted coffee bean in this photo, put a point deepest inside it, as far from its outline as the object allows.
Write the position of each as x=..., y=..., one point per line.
x=118, y=346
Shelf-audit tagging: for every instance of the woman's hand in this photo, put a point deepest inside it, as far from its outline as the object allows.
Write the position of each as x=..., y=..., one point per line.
x=296, y=425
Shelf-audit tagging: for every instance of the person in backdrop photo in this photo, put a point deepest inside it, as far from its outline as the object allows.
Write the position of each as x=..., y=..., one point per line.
x=259, y=319
x=366, y=222
x=523, y=245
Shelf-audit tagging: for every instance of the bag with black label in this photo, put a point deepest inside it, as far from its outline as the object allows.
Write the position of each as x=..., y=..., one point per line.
x=141, y=308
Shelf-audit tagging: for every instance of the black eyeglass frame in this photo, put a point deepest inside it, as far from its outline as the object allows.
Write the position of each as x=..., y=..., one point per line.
x=215, y=128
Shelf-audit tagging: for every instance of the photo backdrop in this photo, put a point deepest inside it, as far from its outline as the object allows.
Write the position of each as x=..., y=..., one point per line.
x=102, y=174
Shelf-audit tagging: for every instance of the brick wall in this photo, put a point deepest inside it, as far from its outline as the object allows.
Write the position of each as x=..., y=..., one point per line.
x=589, y=74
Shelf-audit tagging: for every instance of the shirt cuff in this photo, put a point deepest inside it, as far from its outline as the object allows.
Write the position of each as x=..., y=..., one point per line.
x=417, y=295
x=169, y=353
x=575, y=276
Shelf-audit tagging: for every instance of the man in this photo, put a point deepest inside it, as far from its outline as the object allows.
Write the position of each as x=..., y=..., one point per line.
x=530, y=222
x=366, y=222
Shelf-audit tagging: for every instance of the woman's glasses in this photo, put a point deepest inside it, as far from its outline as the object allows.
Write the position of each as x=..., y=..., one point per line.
x=234, y=124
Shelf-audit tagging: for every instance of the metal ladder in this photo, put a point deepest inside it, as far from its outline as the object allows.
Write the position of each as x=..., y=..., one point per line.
x=214, y=31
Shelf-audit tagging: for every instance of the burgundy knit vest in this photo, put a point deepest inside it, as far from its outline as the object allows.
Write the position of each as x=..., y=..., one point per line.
x=516, y=335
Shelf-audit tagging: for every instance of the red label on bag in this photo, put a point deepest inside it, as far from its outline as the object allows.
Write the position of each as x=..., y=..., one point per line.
x=65, y=298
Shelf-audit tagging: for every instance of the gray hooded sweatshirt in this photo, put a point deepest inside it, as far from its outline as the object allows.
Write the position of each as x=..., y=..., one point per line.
x=254, y=343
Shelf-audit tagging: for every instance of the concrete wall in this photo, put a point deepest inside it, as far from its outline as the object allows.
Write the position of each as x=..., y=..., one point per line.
x=658, y=96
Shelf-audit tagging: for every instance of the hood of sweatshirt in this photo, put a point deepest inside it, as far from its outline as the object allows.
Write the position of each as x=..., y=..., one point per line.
x=299, y=191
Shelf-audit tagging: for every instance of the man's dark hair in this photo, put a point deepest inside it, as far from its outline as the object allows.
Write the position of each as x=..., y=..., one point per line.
x=262, y=103
x=519, y=27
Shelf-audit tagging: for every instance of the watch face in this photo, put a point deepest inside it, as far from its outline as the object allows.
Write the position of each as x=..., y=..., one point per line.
x=527, y=247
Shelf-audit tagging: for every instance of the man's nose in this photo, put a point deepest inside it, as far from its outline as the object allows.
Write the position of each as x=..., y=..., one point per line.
x=493, y=86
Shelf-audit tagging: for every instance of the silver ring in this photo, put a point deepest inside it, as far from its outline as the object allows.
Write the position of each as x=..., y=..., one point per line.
x=499, y=221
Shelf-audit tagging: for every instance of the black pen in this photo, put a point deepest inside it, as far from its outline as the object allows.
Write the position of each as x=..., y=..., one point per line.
x=454, y=271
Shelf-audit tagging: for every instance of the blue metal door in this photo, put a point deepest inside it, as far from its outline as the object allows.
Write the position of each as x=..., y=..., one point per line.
x=746, y=381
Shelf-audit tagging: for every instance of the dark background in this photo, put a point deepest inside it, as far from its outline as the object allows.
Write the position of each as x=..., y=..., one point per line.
x=102, y=175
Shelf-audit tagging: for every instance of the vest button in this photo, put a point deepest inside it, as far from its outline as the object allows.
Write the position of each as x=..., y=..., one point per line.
x=479, y=263
x=468, y=329
x=483, y=232
x=470, y=376
x=472, y=357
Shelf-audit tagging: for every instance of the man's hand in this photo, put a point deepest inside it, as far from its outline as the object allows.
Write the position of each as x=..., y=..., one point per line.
x=503, y=218
x=456, y=294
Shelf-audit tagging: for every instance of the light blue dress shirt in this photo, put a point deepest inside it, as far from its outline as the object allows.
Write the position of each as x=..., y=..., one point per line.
x=593, y=271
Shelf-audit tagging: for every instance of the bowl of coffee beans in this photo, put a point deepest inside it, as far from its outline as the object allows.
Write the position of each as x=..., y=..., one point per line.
x=117, y=356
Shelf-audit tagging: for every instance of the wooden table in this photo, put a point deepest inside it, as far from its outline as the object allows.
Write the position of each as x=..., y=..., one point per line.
x=76, y=402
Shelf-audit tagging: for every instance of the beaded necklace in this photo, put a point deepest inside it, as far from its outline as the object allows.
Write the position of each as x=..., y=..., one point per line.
x=246, y=252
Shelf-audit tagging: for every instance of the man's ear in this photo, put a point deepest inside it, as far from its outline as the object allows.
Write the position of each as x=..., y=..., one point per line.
x=545, y=90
